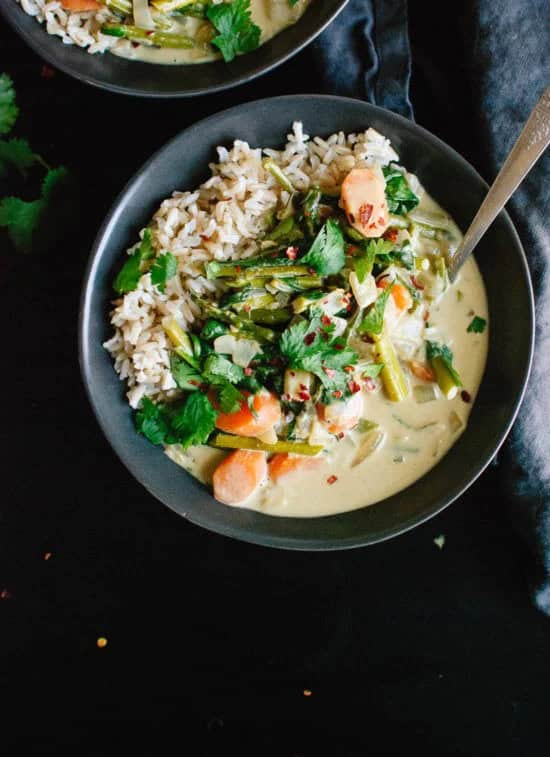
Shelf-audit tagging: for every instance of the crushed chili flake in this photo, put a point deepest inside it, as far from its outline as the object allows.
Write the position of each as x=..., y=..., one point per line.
x=368, y=339
x=325, y=320
x=102, y=642
x=349, y=368
x=372, y=225
x=466, y=396
x=354, y=387
x=390, y=235
x=332, y=479
x=329, y=371
x=292, y=373
x=365, y=212
x=204, y=238
x=248, y=371
x=303, y=387
x=416, y=283
x=337, y=393
x=351, y=249
x=46, y=72
x=426, y=315
x=238, y=268
x=381, y=221
x=291, y=253
x=340, y=435
x=338, y=346
x=5, y=594
x=311, y=271
x=247, y=308
x=305, y=396
x=309, y=338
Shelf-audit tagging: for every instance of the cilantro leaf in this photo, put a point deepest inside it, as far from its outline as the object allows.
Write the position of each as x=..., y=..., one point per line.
x=363, y=264
x=477, y=326
x=401, y=199
x=237, y=32
x=8, y=107
x=326, y=255
x=16, y=153
x=372, y=370
x=163, y=269
x=186, y=377
x=194, y=421
x=229, y=397
x=373, y=321
x=129, y=275
x=152, y=422
x=217, y=366
x=435, y=350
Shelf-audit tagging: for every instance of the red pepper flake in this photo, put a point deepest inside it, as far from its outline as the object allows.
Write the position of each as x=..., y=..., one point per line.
x=303, y=387
x=292, y=373
x=390, y=235
x=204, y=237
x=136, y=44
x=304, y=396
x=325, y=320
x=466, y=396
x=309, y=338
x=46, y=72
x=340, y=435
x=372, y=225
x=365, y=212
x=416, y=283
x=5, y=594
x=338, y=346
x=370, y=384
x=291, y=253
x=426, y=315
x=332, y=479
x=247, y=308
x=248, y=371
x=368, y=339
x=329, y=371
x=238, y=268
x=354, y=387
x=150, y=34
x=351, y=249
x=311, y=271
x=381, y=221
x=349, y=368
x=337, y=393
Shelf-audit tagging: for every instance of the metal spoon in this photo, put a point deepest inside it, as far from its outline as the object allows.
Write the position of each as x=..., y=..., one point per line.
x=530, y=145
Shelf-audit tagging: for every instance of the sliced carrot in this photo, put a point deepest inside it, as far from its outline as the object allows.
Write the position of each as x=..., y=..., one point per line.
x=282, y=464
x=401, y=295
x=421, y=371
x=81, y=5
x=244, y=422
x=239, y=475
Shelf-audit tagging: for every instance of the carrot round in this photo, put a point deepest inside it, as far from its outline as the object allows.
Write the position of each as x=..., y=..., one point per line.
x=244, y=422
x=282, y=464
x=238, y=476
x=401, y=295
x=80, y=5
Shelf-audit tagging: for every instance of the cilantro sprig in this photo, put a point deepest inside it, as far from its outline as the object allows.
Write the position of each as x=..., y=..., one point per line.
x=187, y=423
x=477, y=325
x=373, y=322
x=401, y=199
x=326, y=255
x=129, y=275
x=236, y=32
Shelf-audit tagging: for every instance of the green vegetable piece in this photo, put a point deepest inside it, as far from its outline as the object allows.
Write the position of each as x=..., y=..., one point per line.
x=196, y=420
x=219, y=366
x=372, y=370
x=310, y=209
x=287, y=230
x=228, y=441
x=237, y=33
x=393, y=378
x=441, y=361
x=213, y=329
x=151, y=420
x=271, y=317
x=260, y=333
x=163, y=269
x=181, y=341
x=157, y=38
x=326, y=255
x=373, y=321
x=129, y=275
x=399, y=195
x=8, y=107
x=477, y=325
x=186, y=376
x=279, y=175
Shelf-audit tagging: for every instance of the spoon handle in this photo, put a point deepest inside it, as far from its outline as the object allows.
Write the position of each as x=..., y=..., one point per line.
x=530, y=145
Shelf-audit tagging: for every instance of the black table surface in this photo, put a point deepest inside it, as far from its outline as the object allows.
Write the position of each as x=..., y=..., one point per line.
x=216, y=646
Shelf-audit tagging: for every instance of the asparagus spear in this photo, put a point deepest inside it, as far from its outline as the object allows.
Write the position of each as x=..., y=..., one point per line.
x=279, y=175
x=167, y=6
x=282, y=267
x=298, y=284
x=274, y=317
x=260, y=333
x=393, y=378
x=441, y=361
x=183, y=346
x=157, y=38
x=228, y=441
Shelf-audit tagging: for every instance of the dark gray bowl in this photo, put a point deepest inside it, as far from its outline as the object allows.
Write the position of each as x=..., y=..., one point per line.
x=182, y=164
x=153, y=80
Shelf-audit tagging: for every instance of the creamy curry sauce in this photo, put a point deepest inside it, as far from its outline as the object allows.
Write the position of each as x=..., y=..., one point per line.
x=417, y=435
x=272, y=16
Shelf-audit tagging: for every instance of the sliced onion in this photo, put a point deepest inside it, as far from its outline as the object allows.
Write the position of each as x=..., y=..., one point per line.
x=142, y=15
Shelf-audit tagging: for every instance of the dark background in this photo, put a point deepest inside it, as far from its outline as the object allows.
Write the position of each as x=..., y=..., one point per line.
x=211, y=642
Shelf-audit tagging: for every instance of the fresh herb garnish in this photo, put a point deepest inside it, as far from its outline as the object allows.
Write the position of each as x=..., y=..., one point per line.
x=237, y=33
x=401, y=199
x=373, y=321
x=152, y=420
x=218, y=366
x=8, y=107
x=129, y=275
x=372, y=251
x=212, y=329
x=477, y=326
x=187, y=423
x=186, y=376
x=372, y=370
x=326, y=255
x=163, y=269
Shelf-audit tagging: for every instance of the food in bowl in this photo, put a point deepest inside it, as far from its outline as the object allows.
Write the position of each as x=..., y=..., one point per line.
x=167, y=31
x=288, y=333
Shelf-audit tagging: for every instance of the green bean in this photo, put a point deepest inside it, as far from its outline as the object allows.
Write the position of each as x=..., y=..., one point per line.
x=299, y=284
x=156, y=38
x=228, y=441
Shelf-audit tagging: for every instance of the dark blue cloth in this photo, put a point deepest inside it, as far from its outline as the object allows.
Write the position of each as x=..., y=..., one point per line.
x=366, y=53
